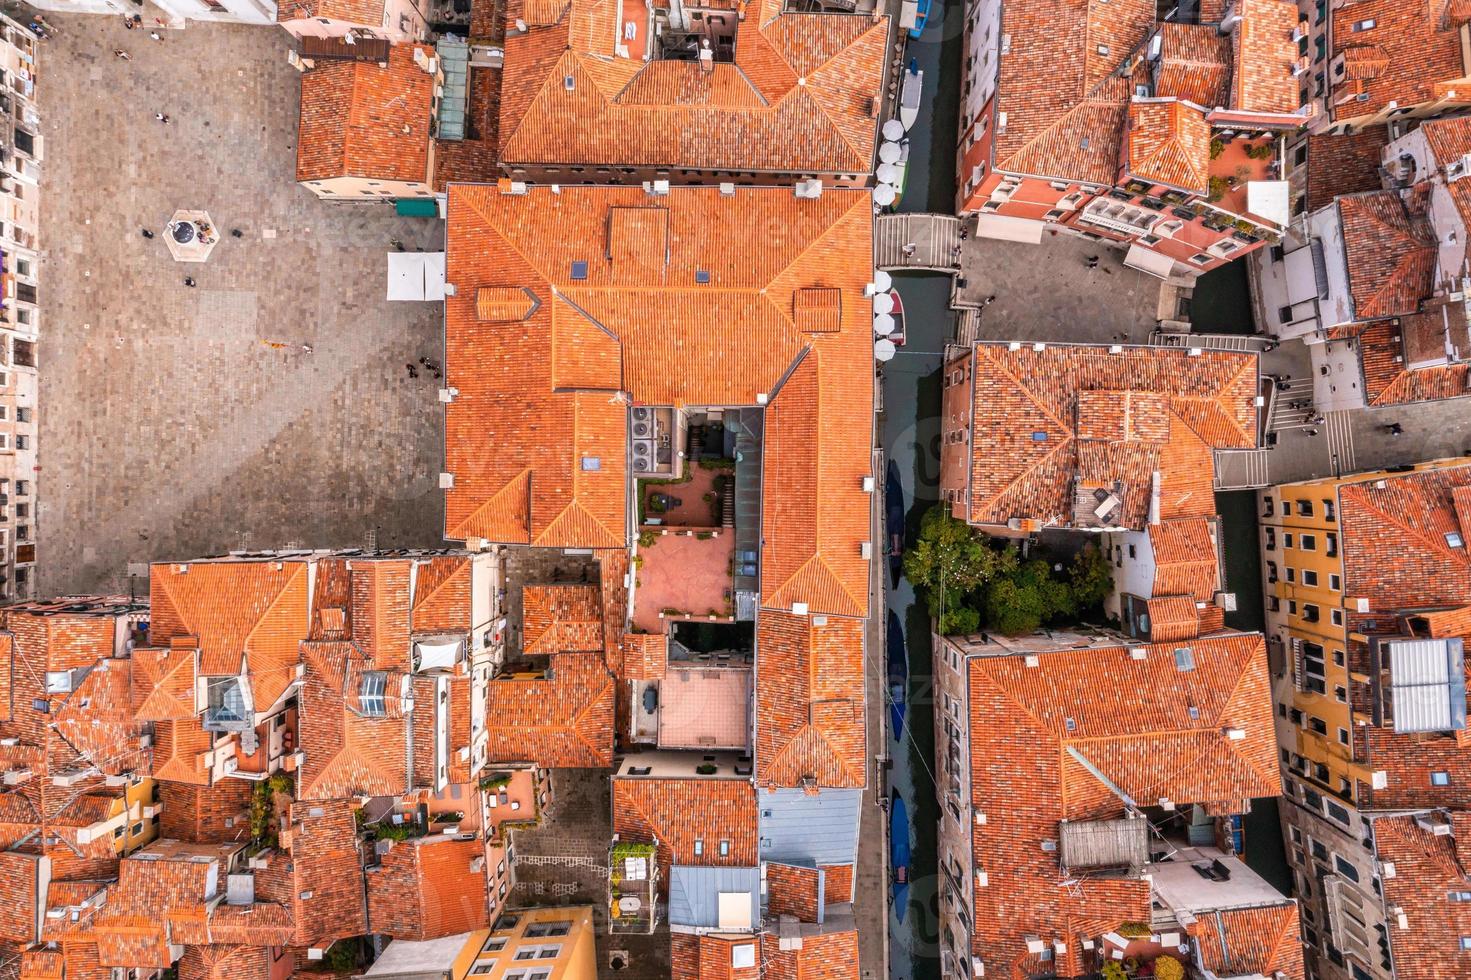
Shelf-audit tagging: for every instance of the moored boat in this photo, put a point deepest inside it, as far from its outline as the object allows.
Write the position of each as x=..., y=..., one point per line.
x=910, y=93
x=899, y=854
x=898, y=671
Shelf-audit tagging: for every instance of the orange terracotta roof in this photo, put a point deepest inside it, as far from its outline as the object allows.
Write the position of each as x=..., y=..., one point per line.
x=1344, y=164
x=428, y=889
x=1419, y=52
x=1172, y=618
x=362, y=120
x=561, y=619
x=442, y=601
x=221, y=962
x=1044, y=419
x=1245, y=941
x=1033, y=728
x=163, y=683
x=1396, y=553
x=96, y=719
x=1449, y=141
x=536, y=438
x=1185, y=558
x=179, y=751
x=1389, y=380
x=245, y=616
x=1390, y=252
x=799, y=98
x=1263, y=57
x=368, y=13
x=1426, y=871
x=349, y=753
x=320, y=879
x=709, y=957
x=809, y=701
x=675, y=813
x=830, y=955
x=1194, y=64
x=645, y=656
x=561, y=720
x=1169, y=143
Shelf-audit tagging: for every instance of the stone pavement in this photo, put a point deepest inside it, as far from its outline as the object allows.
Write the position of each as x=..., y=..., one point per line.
x=169, y=426
x=1046, y=291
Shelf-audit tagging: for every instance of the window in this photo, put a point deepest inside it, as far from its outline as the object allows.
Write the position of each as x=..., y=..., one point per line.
x=1340, y=695
x=1310, y=613
x=1440, y=778
x=1318, y=725
x=1332, y=551
x=1336, y=812
x=725, y=848
x=528, y=953
x=1271, y=533
x=483, y=967
x=699, y=848
x=495, y=945
x=370, y=694
x=1184, y=659
x=1304, y=508
x=542, y=929
x=1459, y=897
x=1343, y=736
x=1309, y=577
x=1308, y=542
x=1328, y=513
x=1335, y=582
x=1287, y=539
x=1336, y=615
x=1319, y=851
x=1366, y=24
x=1291, y=574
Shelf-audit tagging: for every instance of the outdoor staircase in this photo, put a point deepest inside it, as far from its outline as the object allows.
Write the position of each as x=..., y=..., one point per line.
x=934, y=237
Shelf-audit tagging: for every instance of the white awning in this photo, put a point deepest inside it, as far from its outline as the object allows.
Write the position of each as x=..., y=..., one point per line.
x=430, y=656
x=1146, y=260
x=1007, y=229
x=416, y=276
x=1269, y=199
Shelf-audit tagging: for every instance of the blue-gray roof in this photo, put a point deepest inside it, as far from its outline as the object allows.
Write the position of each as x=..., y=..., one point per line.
x=694, y=893
x=817, y=829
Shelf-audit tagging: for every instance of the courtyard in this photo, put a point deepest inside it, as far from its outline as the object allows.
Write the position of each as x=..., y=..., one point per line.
x=269, y=405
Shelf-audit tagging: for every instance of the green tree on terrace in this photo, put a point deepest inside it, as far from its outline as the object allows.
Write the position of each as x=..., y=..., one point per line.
x=1026, y=598
x=1091, y=578
x=949, y=562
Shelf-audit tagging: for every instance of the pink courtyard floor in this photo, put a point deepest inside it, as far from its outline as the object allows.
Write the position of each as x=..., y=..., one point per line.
x=685, y=573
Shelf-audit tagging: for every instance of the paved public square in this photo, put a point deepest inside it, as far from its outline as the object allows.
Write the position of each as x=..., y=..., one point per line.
x=180, y=421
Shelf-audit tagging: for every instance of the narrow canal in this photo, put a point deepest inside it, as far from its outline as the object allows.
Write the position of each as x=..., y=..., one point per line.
x=911, y=440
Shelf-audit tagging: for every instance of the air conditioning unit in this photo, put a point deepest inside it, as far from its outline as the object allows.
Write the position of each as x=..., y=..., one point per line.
x=643, y=455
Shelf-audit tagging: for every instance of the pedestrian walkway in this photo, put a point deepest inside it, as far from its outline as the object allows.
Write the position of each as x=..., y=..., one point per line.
x=1292, y=407
x=1339, y=427
x=1210, y=341
x=1242, y=469
x=917, y=242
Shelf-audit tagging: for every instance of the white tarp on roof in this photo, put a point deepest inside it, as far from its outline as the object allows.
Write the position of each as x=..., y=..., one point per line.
x=416, y=276
x=1146, y=260
x=1007, y=229
x=1269, y=199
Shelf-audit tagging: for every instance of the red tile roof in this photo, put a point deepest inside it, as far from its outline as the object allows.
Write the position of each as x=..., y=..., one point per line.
x=561, y=720
x=799, y=98
x=1388, y=377
x=349, y=753
x=809, y=701
x=222, y=962
x=1426, y=871
x=826, y=956
x=561, y=619
x=1410, y=52
x=1185, y=558
x=1344, y=164
x=1245, y=941
x=1263, y=57
x=428, y=889
x=1169, y=143
x=536, y=438
x=1395, y=550
x=676, y=812
x=320, y=879
x=366, y=12
x=645, y=656
x=362, y=120
x=1044, y=419
x=1390, y=253
x=1194, y=64
x=1032, y=728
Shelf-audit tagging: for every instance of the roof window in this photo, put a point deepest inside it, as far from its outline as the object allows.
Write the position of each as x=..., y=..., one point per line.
x=579, y=270
x=370, y=693
x=1184, y=659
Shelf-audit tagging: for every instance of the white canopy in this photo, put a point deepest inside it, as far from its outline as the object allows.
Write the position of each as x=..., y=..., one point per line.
x=883, y=350
x=889, y=152
x=416, y=276
x=882, y=281
x=883, y=303
x=431, y=656
x=883, y=324
x=887, y=173
x=885, y=194
x=893, y=130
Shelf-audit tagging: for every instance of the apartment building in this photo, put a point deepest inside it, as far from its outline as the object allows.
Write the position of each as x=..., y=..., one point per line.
x=706, y=646
x=1114, y=440
x=20, y=269
x=544, y=943
x=1091, y=787
x=1375, y=281
x=1160, y=137
x=1367, y=584
x=602, y=93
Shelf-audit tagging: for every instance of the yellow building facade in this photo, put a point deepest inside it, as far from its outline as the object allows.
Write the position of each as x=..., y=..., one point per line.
x=532, y=944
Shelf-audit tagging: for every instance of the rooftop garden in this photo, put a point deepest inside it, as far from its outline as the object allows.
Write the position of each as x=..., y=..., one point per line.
x=972, y=582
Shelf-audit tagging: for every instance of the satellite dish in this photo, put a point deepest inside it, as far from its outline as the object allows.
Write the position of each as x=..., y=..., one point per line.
x=883, y=324
x=889, y=152
x=883, y=303
x=883, y=350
